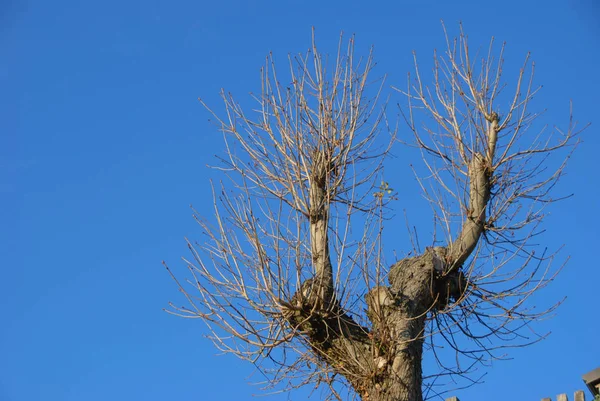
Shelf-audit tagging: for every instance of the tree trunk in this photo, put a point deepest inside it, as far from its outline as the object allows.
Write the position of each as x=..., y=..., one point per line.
x=400, y=377
x=383, y=363
x=398, y=314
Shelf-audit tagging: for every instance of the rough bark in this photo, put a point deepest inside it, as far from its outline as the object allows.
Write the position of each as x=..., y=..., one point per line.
x=383, y=362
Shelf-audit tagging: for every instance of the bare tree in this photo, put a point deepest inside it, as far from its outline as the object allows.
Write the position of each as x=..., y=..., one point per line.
x=292, y=275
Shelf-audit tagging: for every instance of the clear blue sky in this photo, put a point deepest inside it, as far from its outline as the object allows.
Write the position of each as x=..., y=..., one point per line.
x=103, y=146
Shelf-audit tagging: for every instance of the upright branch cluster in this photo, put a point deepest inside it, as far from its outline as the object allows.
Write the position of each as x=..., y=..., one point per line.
x=491, y=178
x=281, y=277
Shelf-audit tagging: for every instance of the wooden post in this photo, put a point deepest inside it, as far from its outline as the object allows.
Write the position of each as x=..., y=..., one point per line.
x=579, y=395
x=452, y=399
x=562, y=397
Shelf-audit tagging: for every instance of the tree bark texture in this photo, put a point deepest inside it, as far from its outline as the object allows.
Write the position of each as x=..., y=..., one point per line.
x=382, y=362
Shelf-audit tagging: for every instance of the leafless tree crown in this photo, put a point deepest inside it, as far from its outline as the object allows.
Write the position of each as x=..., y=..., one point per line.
x=292, y=274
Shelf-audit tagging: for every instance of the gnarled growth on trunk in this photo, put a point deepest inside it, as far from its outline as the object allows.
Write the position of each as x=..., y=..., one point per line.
x=284, y=278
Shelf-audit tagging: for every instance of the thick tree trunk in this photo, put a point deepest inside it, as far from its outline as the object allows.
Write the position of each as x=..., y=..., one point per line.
x=398, y=314
x=400, y=377
x=382, y=363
